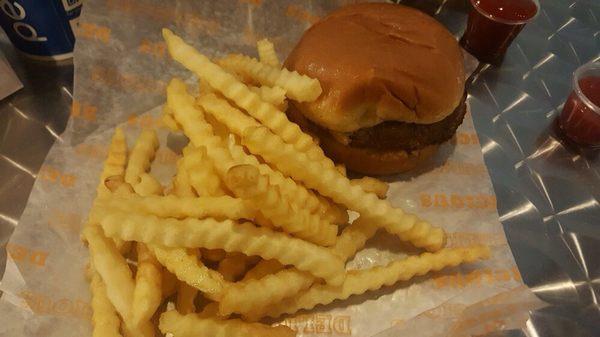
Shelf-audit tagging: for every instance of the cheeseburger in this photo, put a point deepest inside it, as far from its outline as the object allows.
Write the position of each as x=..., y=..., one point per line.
x=393, y=86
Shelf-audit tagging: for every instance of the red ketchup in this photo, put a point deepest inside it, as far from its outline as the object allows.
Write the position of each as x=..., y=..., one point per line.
x=493, y=25
x=580, y=118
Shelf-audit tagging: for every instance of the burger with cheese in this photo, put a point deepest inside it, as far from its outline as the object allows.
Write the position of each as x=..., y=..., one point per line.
x=393, y=86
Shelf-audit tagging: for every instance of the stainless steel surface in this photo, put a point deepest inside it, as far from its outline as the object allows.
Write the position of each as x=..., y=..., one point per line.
x=547, y=190
x=31, y=120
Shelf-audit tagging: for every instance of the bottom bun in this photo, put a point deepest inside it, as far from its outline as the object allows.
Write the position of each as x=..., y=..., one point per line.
x=364, y=160
x=372, y=161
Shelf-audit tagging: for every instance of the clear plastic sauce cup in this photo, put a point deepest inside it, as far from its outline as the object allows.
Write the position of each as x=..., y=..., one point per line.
x=580, y=117
x=494, y=24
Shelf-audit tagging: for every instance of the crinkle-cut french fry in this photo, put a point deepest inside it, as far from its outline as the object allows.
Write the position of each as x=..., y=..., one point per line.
x=191, y=324
x=221, y=110
x=118, y=186
x=354, y=237
x=104, y=317
x=211, y=310
x=145, y=329
x=246, y=182
x=297, y=194
x=273, y=95
x=201, y=133
x=147, y=294
x=113, y=269
x=372, y=185
x=213, y=255
x=114, y=167
x=188, y=268
x=360, y=281
x=115, y=162
x=182, y=186
x=233, y=266
x=237, y=122
x=141, y=156
x=243, y=297
x=342, y=169
x=170, y=206
x=169, y=283
x=228, y=235
x=331, y=183
x=148, y=185
x=186, y=295
x=262, y=269
x=238, y=92
x=334, y=213
x=351, y=240
x=267, y=54
x=203, y=176
x=124, y=247
x=170, y=122
x=204, y=88
x=298, y=87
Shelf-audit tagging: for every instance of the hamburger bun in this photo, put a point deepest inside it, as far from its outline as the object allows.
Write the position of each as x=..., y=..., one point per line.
x=384, y=69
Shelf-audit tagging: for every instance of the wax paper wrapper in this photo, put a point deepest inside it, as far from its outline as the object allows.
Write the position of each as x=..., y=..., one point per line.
x=121, y=69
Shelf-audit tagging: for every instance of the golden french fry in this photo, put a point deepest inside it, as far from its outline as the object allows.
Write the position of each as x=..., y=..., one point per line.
x=115, y=162
x=298, y=87
x=213, y=255
x=267, y=54
x=189, y=326
x=233, y=266
x=188, y=268
x=148, y=185
x=237, y=122
x=342, y=169
x=170, y=123
x=117, y=184
x=233, y=118
x=169, y=283
x=113, y=269
x=372, y=185
x=296, y=193
x=247, y=182
x=141, y=157
x=329, y=182
x=244, y=297
x=105, y=320
x=360, y=281
x=147, y=294
x=186, y=295
x=238, y=92
x=262, y=269
x=114, y=167
x=182, y=186
x=145, y=329
x=210, y=310
x=201, y=133
x=223, y=207
x=273, y=95
x=228, y=235
x=352, y=239
x=203, y=176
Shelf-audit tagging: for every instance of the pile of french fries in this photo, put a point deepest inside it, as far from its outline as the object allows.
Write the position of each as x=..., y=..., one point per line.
x=255, y=223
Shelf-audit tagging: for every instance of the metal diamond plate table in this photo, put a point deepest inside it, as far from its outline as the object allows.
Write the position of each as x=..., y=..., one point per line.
x=547, y=189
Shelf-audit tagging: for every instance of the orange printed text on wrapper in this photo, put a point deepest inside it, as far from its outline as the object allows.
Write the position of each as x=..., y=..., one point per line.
x=27, y=255
x=43, y=304
x=321, y=324
x=50, y=174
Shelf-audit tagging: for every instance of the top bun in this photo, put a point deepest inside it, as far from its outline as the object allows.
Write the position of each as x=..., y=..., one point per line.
x=379, y=62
